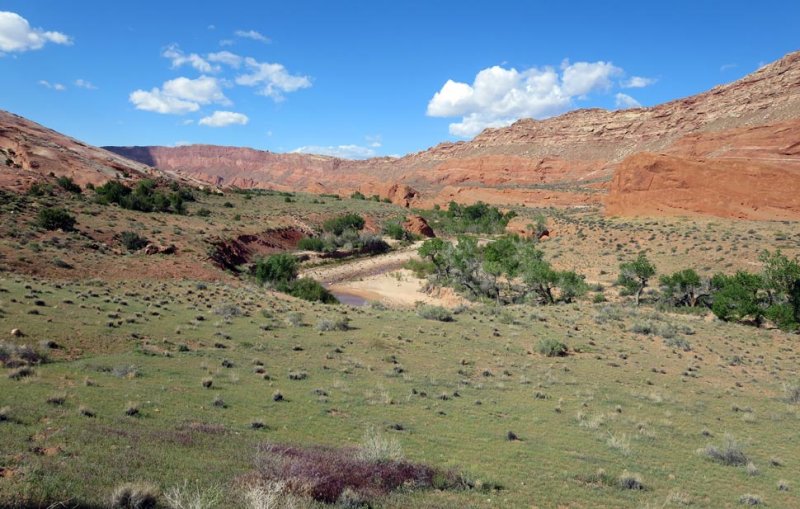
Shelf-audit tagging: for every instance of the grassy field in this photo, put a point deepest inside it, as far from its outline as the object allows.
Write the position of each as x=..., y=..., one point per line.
x=635, y=404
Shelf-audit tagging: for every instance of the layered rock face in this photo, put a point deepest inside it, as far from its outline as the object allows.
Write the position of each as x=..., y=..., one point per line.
x=562, y=161
x=750, y=173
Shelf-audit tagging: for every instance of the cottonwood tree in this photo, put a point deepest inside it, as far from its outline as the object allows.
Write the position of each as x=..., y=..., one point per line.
x=685, y=288
x=635, y=275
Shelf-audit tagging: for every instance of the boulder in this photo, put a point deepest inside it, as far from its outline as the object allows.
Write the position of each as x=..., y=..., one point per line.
x=418, y=226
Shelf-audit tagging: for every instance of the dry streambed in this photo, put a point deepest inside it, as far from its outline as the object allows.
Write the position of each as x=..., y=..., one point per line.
x=378, y=278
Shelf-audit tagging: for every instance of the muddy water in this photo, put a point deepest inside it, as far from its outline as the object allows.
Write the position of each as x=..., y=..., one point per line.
x=349, y=298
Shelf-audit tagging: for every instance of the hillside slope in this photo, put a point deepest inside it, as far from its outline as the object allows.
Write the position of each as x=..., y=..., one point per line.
x=31, y=152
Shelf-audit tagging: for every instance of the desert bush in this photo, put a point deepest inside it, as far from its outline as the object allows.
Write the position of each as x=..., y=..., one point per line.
x=341, y=323
x=135, y=496
x=750, y=499
x=630, y=481
x=792, y=392
x=13, y=355
x=420, y=268
x=730, y=453
x=67, y=184
x=476, y=218
x=311, y=290
x=271, y=495
x=277, y=270
x=373, y=245
x=145, y=197
x=551, y=347
x=193, y=496
x=437, y=313
x=311, y=244
x=337, y=225
x=132, y=241
x=377, y=447
x=55, y=219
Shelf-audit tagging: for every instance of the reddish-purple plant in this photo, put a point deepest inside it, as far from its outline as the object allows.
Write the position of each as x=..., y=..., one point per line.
x=323, y=473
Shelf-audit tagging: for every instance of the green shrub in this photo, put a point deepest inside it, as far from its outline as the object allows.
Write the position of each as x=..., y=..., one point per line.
x=68, y=185
x=309, y=289
x=143, y=198
x=476, y=218
x=339, y=224
x=551, y=347
x=396, y=231
x=203, y=212
x=437, y=313
x=420, y=268
x=132, y=241
x=40, y=189
x=358, y=195
x=278, y=270
x=311, y=244
x=55, y=219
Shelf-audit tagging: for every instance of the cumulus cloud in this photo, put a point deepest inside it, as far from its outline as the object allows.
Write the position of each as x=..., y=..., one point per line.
x=179, y=96
x=580, y=78
x=340, y=151
x=225, y=57
x=224, y=118
x=252, y=34
x=88, y=85
x=637, y=82
x=499, y=96
x=179, y=58
x=16, y=34
x=624, y=101
x=374, y=141
x=53, y=86
x=155, y=100
x=272, y=80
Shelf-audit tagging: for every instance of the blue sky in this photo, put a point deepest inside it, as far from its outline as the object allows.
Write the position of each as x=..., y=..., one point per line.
x=362, y=78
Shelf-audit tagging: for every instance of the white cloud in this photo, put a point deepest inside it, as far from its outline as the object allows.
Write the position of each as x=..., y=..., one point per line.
x=225, y=57
x=580, y=78
x=16, y=34
x=88, y=85
x=180, y=96
x=203, y=90
x=226, y=42
x=624, y=101
x=340, y=151
x=272, y=79
x=179, y=58
x=727, y=67
x=157, y=101
x=223, y=119
x=499, y=96
x=53, y=86
x=637, y=82
x=374, y=141
x=252, y=34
